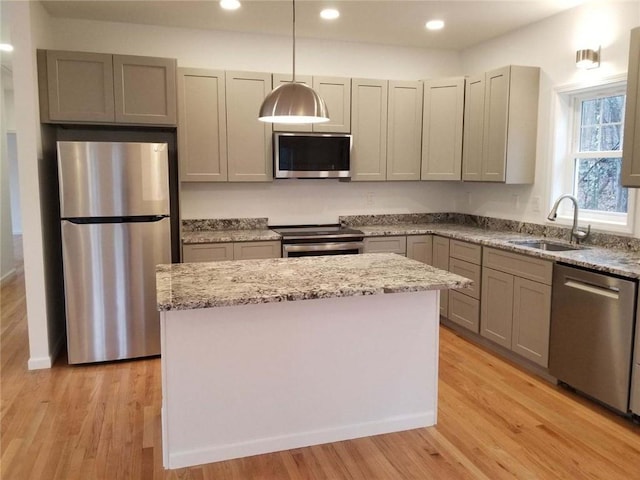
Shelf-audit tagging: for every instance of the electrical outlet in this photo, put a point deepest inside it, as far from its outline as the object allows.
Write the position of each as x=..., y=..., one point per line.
x=515, y=199
x=370, y=199
x=535, y=204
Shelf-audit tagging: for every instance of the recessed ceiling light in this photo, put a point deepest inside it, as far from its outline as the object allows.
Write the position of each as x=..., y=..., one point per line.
x=329, y=13
x=434, y=24
x=230, y=4
x=5, y=47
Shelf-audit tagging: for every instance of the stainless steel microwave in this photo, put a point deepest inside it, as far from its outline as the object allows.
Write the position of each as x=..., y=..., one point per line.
x=311, y=155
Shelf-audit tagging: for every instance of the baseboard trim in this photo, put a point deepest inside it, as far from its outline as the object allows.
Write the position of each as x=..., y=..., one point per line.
x=40, y=363
x=217, y=453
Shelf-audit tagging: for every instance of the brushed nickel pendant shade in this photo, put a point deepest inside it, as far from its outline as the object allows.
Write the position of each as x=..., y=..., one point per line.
x=293, y=102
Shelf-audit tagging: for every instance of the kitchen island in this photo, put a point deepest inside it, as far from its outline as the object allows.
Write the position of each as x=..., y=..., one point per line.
x=267, y=355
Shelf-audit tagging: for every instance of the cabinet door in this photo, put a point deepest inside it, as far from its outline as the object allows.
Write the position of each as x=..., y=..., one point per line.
x=442, y=134
x=369, y=128
x=634, y=400
x=248, y=139
x=496, y=109
x=202, y=125
x=631, y=151
x=441, y=260
x=252, y=250
x=473, y=129
x=464, y=310
x=207, y=252
x=390, y=244
x=336, y=93
x=79, y=87
x=145, y=90
x=420, y=247
x=279, y=79
x=496, y=307
x=531, y=320
x=404, y=130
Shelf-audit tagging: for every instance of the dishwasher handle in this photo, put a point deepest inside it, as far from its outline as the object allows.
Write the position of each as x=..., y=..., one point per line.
x=610, y=292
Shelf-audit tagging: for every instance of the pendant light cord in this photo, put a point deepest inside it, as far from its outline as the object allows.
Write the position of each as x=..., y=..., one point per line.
x=293, y=80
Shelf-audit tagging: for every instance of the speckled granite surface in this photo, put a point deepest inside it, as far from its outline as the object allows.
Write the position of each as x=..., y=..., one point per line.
x=202, y=285
x=227, y=230
x=199, y=225
x=619, y=262
x=220, y=236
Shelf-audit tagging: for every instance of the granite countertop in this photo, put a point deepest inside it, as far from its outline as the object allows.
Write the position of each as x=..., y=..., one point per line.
x=220, y=236
x=202, y=285
x=606, y=260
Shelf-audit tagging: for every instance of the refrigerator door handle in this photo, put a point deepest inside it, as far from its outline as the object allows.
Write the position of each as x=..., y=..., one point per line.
x=136, y=219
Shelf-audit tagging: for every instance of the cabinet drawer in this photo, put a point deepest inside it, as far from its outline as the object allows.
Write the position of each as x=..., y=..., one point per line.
x=520, y=265
x=386, y=245
x=469, y=252
x=207, y=252
x=470, y=271
x=464, y=310
x=253, y=250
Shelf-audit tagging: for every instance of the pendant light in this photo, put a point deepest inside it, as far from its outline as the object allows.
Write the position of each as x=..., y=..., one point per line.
x=293, y=102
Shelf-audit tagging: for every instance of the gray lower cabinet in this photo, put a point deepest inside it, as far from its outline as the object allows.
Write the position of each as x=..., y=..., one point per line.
x=84, y=87
x=464, y=304
x=216, y=252
x=420, y=247
x=389, y=244
x=634, y=403
x=516, y=303
x=441, y=261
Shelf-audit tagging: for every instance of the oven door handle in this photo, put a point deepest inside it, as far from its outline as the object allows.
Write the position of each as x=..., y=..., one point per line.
x=322, y=247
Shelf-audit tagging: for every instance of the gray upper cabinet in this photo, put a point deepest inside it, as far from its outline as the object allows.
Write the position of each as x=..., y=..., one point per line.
x=202, y=125
x=404, y=130
x=248, y=139
x=369, y=129
x=76, y=86
x=473, y=129
x=336, y=93
x=442, y=129
x=81, y=87
x=145, y=90
x=386, y=125
x=508, y=125
x=631, y=147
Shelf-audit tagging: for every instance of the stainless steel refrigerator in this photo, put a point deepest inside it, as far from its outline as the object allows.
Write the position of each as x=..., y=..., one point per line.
x=114, y=208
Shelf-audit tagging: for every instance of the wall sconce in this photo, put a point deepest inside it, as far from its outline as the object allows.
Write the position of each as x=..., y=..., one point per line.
x=588, y=58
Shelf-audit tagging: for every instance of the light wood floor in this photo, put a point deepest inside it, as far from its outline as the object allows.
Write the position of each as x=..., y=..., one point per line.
x=494, y=422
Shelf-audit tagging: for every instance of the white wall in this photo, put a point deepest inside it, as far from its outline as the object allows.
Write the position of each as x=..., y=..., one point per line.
x=28, y=22
x=550, y=44
x=7, y=261
x=281, y=201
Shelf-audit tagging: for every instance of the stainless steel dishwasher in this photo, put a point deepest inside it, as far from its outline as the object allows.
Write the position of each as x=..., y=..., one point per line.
x=592, y=324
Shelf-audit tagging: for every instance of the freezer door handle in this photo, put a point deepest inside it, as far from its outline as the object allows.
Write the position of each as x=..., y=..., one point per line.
x=136, y=219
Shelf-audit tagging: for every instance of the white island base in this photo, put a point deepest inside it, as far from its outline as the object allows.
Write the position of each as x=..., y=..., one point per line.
x=251, y=379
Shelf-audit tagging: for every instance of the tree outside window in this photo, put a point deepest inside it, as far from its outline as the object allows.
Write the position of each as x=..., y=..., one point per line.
x=598, y=154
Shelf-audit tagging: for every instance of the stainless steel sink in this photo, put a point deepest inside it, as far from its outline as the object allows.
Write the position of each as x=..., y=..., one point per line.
x=546, y=245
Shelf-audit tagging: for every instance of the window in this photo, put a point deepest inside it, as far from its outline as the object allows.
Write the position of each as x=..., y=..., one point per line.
x=593, y=162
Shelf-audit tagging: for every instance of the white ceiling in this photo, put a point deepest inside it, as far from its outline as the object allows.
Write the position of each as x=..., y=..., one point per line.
x=396, y=22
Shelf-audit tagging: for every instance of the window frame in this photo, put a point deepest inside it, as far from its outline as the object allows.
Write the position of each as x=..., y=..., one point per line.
x=568, y=123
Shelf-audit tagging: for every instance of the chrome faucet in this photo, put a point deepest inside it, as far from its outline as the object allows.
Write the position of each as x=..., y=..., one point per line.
x=576, y=233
